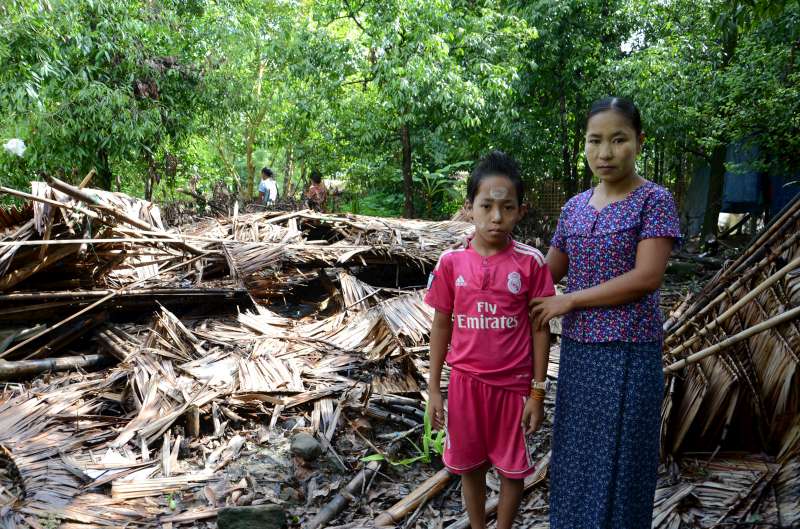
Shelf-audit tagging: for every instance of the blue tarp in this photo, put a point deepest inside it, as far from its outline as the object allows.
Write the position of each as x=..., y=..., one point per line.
x=743, y=190
x=782, y=189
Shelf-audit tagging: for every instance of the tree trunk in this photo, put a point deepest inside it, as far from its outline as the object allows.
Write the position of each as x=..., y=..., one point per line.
x=576, y=151
x=716, y=181
x=645, y=156
x=569, y=184
x=288, y=170
x=730, y=39
x=587, y=176
x=104, y=176
x=680, y=183
x=251, y=168
x=657, y=164
x=303, y=177
x=408, y=184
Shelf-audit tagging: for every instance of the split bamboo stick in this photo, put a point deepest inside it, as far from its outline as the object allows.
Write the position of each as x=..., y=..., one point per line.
x=76, y=295
x=155, y=487
x=87, y=179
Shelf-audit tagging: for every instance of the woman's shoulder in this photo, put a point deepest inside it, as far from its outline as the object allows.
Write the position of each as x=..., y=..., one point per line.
x=577, y=200
x=653, y=191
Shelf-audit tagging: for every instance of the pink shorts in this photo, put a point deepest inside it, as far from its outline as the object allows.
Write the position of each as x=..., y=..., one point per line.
x=484, y=426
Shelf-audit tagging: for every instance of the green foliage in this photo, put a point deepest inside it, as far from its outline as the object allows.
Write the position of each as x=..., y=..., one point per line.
x=157, y=94
x=432, y=444
x=96, y=84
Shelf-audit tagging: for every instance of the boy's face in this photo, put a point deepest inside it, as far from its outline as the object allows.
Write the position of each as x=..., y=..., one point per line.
x=263, y=176
x=495, y=210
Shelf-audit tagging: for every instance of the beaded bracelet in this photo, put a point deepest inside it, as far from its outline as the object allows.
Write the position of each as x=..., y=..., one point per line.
x=537, y=394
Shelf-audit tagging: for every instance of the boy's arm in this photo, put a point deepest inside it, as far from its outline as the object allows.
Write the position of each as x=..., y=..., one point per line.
x=533, y=414
x=541, y=352
x=441, y=330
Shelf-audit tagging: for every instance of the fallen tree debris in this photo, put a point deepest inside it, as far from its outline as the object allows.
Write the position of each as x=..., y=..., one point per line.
x=224, y=339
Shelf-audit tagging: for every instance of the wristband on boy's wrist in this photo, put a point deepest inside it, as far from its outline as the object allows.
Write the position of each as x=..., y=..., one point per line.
x=543, y=386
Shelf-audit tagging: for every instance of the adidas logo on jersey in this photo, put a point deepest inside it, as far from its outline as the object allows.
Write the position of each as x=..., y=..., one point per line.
x=460, y=282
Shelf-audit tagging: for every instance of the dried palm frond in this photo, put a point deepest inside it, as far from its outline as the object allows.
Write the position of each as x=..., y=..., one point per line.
x=707, y=495
x=750, y=385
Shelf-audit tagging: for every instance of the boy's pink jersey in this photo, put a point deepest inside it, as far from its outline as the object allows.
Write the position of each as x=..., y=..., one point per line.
x=488, y=298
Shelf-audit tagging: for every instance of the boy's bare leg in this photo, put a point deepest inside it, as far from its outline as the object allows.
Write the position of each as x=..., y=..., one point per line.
x=474, y=486
x=510, y=497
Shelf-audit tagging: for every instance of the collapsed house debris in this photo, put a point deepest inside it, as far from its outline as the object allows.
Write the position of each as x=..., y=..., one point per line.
x=279, y=358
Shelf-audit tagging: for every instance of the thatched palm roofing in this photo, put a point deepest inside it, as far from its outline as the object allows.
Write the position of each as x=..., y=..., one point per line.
x=60, y=438
x=748, y=394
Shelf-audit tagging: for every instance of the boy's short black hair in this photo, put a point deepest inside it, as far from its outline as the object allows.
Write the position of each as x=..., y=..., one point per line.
x=266, y=171
x=316, y=176
x=496, y=163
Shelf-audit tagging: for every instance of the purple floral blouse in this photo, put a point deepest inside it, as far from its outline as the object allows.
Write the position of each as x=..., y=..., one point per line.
x=601, y=245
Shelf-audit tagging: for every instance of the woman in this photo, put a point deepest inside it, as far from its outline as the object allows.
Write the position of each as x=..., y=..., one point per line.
x=317, y=194
x=613, y=242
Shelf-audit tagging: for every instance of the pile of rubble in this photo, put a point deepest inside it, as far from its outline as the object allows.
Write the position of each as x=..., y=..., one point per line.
x=260, y=368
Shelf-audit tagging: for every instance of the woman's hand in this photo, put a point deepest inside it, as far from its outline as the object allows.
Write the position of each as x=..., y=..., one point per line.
x=532, y=415
x=436, y=410
x=545, y=309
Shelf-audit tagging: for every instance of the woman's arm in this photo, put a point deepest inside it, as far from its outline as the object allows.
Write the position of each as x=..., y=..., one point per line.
x=441, y=329
x=558, y=263
x=652, y=256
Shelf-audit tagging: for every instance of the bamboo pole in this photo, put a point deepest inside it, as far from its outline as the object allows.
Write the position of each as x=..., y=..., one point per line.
x=51, y=242
x=55, y=203
x=736, y=338
x=684, y=309
x=332, y=509
x=22, y=368
x=67, y=336
x=755, y=250
x=713, y=324
x=424, y=492
x=78, y=295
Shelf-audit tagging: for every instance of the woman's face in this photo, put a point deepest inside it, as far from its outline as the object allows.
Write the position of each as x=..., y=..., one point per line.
x=612, y=146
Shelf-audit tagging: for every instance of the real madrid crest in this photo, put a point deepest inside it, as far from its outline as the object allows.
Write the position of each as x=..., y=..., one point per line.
x=514, y=282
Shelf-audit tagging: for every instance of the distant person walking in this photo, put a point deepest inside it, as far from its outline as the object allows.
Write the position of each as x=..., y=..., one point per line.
x=317, y=193
x=267, y=188
x=613, y=243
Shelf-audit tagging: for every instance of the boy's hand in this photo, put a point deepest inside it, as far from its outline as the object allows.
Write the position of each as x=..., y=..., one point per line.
x=436, y=410
x=532, y=415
